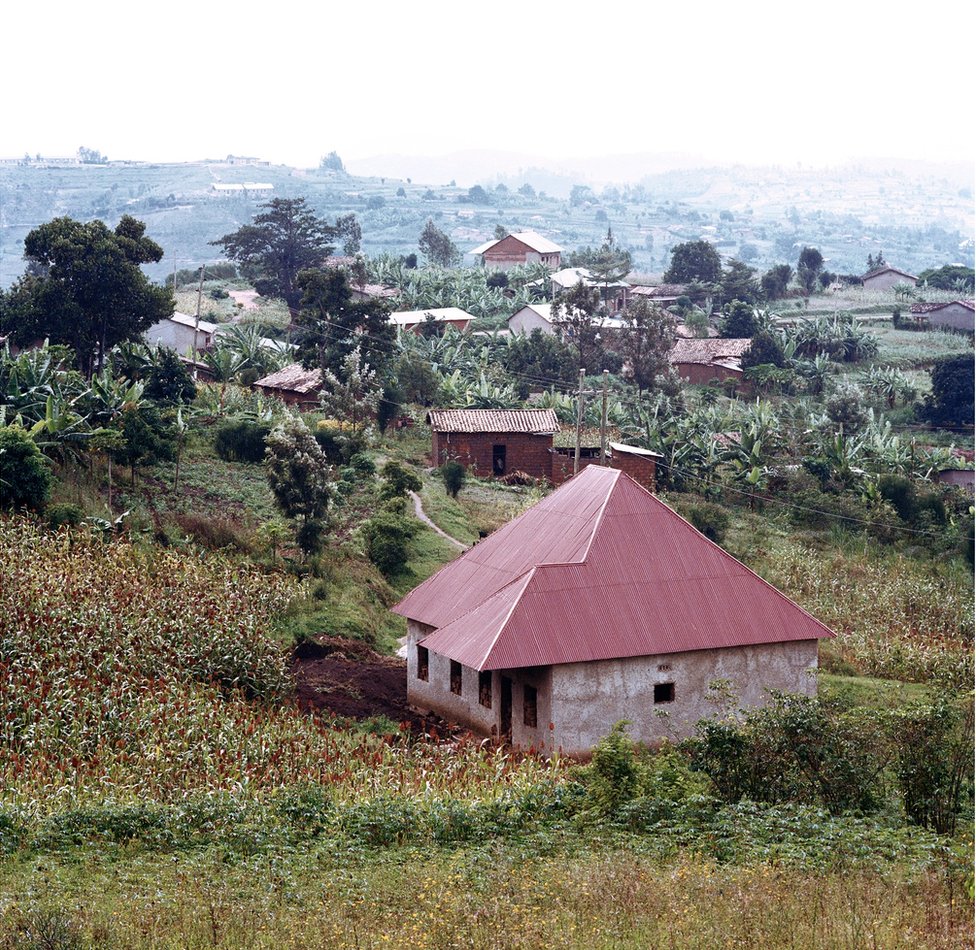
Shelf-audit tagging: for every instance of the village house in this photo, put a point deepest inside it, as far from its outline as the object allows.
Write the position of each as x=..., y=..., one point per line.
x=524, y=247
x=956, y=315
x=884, y=278
x=664, y=295
x=412, y=321
x=614, y=293
x=293, y=385
x=599, y=604
x=182, y=333
x=538, y=316
x=700, y=361
x=495, y=441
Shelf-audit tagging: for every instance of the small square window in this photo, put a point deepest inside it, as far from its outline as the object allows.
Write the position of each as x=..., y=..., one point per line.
x=423, y=663
x=455, y=677
x=529, y=706
x=663, y=693
x=484, y=688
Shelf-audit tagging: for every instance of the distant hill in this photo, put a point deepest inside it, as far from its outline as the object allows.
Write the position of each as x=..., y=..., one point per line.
x=919, y=214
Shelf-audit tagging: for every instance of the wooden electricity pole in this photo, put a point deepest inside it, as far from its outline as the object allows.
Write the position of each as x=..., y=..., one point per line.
x=603, y=417
x=196, y=325
x=579, y=421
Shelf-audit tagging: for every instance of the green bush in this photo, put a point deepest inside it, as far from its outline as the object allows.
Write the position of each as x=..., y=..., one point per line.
x=387, y=536
x=241, y=441
x=453, y=474
x=65, y=513
x=25, y=477
x=362, y=464
x=169, y=381
x=710, y=519
x=398, y=480
x=795, y=749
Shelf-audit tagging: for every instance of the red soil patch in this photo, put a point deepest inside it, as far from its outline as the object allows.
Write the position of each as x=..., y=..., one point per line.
x=348, y=679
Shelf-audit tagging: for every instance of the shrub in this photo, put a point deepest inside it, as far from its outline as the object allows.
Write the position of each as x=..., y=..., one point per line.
x=933, y=759
x=362, y=464
x=710, y=519
x=25, y=478
x=169, y=381
x=65, y=513
x=387, y=536
x=900, y=493
x=398, y=480
x=613, y=774
x=241, y=441
x=453, y=473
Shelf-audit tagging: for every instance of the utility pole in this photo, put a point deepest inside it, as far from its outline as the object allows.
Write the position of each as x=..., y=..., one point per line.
x=603, y=417
x=579, y=421
x=196, y=325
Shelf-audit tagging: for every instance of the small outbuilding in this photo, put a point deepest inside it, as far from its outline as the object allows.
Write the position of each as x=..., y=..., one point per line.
x=494, y=441
x=700, y=361
x=598, y=604
x=293, y=385
x=413, y=321
x=955, y=315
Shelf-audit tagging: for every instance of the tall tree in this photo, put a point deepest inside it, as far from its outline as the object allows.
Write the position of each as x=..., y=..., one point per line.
x=84, y=288
x=739, y=282
x=283, y=240
x=332, y=324
x=776, y=280
x=646, y=342
x=808, y=268
x=575, y=314
x=610, y=265
x=437, y=246
x=694, y=261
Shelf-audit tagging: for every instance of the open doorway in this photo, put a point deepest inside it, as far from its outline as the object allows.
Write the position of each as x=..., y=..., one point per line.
x=505, y=708
x=498, y=459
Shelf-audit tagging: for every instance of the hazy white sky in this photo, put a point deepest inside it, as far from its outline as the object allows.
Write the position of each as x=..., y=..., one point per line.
x=289, y=82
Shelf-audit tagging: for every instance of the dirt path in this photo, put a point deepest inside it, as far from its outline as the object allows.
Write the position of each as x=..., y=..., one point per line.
x=422, y=515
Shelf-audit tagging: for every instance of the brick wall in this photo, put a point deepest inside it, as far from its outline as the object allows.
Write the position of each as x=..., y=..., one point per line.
x=641, y=468
x=701, y=374
x=524, y=452
x=509, y=251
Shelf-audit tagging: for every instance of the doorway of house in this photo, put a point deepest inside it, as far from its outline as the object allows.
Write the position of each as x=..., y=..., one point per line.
x=498, y=459
x=505, y=708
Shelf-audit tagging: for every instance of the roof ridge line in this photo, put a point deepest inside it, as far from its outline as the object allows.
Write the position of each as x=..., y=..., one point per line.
x=501, y=627
x=598, y=521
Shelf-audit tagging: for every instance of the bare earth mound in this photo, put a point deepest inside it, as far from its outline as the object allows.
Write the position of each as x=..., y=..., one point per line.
x=347, y=678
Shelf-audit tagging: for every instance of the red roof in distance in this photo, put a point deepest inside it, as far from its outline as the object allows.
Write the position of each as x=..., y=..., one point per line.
x=599, y=569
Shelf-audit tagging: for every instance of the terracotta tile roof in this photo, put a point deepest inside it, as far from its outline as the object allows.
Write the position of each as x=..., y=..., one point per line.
x=294, y=377
x=660, y=290
x=599, y=569
x=713, y=350
x=493, y=420
x=932, y=307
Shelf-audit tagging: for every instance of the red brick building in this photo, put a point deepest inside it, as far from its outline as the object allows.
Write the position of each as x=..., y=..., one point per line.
x=524, y=247
x=700, y=361
x=294, y=385
x=495, y=441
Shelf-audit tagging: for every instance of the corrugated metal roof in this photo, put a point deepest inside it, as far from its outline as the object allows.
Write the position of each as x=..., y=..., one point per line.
x=293, y=377
x=185, y=320
x=529, y=238
x=493, y=420
x=599, y=569
x=409, y=317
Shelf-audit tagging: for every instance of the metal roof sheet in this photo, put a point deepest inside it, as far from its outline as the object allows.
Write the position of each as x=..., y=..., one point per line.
x=599, y=569
x=541, y=421
x=408, y=317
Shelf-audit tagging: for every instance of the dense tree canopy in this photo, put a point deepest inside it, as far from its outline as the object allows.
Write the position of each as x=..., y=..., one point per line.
x=646, y=342
x=333, y=324
x=437, y=246
x=283, y=240
x=694, y=261
x=738, y=321
x=84, y=288
x=539, y=360
x=776, y=280
x=739, y=283
x=951, y=400
x=808, y=268
x=950, y=277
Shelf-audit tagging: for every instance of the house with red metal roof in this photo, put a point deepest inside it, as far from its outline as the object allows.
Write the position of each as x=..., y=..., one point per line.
x=597, y=604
